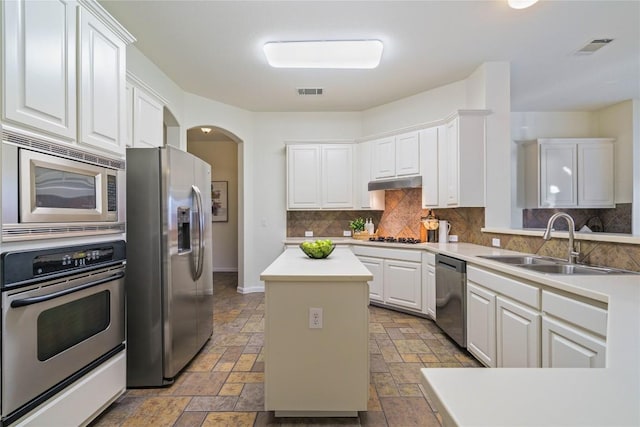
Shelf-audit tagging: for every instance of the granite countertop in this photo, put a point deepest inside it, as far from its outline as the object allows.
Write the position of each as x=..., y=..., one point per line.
x=538, y=396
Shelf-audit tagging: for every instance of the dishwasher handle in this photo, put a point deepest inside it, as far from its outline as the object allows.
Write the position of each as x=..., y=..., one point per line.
x=450, y=263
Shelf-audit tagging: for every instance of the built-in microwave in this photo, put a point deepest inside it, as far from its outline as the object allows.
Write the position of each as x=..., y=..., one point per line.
x=52, y=188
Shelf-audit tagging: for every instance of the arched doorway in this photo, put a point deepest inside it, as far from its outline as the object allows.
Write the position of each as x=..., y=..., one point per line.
x=220, y=149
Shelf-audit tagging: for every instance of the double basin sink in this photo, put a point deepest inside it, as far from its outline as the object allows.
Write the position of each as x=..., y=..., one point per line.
x=549, y=265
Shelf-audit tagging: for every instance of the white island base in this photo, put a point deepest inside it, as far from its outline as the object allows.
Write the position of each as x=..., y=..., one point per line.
x=311, y=372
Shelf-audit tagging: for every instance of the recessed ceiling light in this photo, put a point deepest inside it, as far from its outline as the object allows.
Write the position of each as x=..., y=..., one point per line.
x=364, y=54
x=521, y=4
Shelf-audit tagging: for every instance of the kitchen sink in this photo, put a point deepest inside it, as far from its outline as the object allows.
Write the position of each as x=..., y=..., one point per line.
x=552, y=265
x=520, y=259
x=568, y=269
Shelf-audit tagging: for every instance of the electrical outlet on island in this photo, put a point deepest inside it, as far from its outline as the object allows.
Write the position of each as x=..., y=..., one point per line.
x=315, y=317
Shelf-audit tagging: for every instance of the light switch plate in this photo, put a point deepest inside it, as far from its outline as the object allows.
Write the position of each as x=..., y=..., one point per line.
x=308, y=233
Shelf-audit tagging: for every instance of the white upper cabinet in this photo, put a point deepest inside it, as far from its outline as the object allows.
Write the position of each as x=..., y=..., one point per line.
x=558, y=177
x=337, y=176
x=102, y=86
x=408, y=154
x=383, y=158
x=320, y=176
x=147, y=119
x=303, y=176
x=366, y=200
x=569, y=172
x=432, y=145
x=64, y=72
x=465, y=157
x=40, y=65
x=396, y=156
x=596, y=174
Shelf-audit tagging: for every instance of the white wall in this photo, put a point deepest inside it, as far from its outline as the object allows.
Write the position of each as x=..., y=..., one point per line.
x=239, y=124
x=527, y=126
x=424, y=107
x=142, y=68
x=489, y=88
x=616, y=122
x=269, y=172
x=223, y=158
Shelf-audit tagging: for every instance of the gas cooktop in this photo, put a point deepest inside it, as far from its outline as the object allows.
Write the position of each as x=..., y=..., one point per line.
x=409, y=240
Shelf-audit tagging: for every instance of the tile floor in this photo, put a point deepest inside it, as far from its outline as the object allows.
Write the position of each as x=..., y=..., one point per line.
x=224, y=384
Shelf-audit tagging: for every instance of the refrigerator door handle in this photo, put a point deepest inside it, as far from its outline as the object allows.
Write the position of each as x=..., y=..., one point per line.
x=199, y=264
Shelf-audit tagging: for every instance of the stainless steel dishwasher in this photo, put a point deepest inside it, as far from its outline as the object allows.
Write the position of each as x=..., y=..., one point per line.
x=451, y=299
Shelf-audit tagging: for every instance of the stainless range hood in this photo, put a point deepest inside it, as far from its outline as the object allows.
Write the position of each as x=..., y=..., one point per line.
x=395, y=183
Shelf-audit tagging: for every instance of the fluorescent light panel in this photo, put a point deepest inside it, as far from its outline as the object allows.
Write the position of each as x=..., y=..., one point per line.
x=324, y=54
x=521, y=4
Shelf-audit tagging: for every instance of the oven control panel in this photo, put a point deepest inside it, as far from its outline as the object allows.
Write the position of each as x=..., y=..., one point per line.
x=20, y=268
x=45, y=264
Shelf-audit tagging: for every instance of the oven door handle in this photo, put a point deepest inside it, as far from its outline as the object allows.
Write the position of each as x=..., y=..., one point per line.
x=42, y=298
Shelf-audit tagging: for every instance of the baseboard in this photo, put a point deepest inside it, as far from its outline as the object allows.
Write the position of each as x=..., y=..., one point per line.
x=225, y=269
x=250, y=289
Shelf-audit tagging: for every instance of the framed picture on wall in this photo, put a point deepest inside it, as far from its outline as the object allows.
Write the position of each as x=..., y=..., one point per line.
x=219, y=201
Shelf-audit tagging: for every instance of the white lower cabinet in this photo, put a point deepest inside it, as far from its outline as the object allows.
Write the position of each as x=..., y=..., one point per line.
x=565, y=346
x=403, y=284
x=375, y=266
x=398, y=280
x=429, y=284
x=517, y=335
x=517, y=324
x=481, y=324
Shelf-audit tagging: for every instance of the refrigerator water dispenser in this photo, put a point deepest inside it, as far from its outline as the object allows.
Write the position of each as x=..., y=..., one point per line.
x=184, y=229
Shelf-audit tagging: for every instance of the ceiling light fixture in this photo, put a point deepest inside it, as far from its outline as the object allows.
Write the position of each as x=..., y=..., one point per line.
x=361, y=54
x=205, y=130
x=521, y=4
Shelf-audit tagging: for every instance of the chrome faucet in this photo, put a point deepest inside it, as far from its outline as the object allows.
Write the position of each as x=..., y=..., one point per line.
x=572, y=256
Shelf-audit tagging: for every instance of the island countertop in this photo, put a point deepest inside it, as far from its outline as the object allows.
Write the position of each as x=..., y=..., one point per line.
x=293, y=266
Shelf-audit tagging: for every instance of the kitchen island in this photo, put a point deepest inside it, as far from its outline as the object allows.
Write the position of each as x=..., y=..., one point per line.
x=316, y=334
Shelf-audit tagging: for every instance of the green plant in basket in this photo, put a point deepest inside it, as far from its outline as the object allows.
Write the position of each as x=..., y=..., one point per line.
x=357, y=224
x=317, y=249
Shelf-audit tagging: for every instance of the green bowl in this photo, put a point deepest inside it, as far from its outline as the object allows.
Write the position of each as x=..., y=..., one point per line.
x=310, y=255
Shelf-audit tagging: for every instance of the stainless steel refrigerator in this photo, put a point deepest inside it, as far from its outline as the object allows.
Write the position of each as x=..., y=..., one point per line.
x=169, y=279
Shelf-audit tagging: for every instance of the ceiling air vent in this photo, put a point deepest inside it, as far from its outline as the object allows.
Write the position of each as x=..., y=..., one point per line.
x=593, y=46
x=307, y=91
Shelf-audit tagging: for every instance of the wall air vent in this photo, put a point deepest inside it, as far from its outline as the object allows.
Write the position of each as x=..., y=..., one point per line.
x=593, y=46
x=307, y=91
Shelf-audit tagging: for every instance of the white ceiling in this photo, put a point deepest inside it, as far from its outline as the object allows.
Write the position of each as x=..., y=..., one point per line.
x=214, y=49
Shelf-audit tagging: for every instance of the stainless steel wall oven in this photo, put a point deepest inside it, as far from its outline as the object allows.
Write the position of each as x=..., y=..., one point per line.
x=62, y=316
x=55, y=190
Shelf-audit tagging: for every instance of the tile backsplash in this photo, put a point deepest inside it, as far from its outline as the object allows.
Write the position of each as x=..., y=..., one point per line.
x=401, y=218
x=615, y=220
x=325, y=223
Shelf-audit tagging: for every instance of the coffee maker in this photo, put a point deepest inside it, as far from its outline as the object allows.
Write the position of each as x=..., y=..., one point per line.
x=429, y=228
